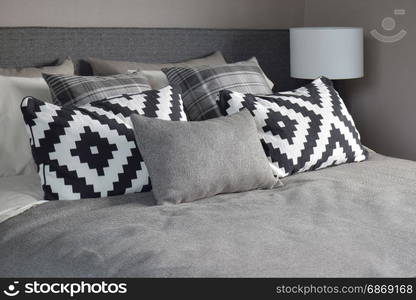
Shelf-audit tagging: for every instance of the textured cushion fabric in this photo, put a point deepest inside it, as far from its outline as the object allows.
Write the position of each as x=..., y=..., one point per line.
x=152, y=71
x=15, y=155
x=103, y=67
x=200, y=85
x=67, y=68
x=158, y=79
x=305, y=129
x=254, y=60
x=80, y=90
x=90, y=151
x=194, y=160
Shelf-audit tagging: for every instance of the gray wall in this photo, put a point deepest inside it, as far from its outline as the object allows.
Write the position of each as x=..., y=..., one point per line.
x=153, y=13
x=383, y=103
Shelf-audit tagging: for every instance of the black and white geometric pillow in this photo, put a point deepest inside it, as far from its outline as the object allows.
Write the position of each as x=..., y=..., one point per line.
x=90, y=151
x=305, y=129
x=200, y=85
x=81, y=90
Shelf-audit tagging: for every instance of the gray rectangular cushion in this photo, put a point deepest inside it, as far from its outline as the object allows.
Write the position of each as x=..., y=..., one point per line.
x=200, y=85
x=194, y=160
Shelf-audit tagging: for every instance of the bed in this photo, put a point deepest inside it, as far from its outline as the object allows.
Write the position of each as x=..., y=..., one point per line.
x=353, y=220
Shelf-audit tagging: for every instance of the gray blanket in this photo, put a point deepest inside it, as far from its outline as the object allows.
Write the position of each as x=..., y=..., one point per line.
x=351, y=220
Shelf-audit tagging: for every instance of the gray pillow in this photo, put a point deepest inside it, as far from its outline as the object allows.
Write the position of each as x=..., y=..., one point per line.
x=67, y=68
x=152, y=71
x=194, y=160
x=104, y=67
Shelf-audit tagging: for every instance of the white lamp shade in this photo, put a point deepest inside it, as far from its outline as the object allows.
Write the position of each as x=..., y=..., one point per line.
x=333, y=52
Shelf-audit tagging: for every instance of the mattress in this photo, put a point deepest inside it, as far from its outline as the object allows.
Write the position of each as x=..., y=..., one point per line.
x=354, y=220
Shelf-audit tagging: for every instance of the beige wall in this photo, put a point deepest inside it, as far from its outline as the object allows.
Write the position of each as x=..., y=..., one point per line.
x=383, y=103
x=153, y=13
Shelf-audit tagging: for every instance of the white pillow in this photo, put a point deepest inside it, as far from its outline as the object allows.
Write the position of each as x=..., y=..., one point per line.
x=15, y=154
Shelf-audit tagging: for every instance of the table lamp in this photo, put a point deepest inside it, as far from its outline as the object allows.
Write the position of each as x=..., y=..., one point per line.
x=333, y=52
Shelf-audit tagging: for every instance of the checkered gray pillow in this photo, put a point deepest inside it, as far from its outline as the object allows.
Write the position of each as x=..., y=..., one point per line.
x=200, y=85
x=80, y=90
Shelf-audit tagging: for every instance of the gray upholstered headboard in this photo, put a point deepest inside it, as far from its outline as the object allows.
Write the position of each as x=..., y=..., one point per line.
x=35, y=46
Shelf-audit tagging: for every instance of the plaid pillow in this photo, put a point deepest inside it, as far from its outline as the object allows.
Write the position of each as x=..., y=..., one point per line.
x=200, y=85
x=80, y=90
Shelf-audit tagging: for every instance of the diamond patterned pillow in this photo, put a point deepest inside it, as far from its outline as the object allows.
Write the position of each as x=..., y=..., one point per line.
x=90, y=151
x=305, y=129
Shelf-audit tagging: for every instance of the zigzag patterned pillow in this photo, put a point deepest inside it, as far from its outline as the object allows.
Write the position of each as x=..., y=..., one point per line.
x=90, y=151
x=305, y=129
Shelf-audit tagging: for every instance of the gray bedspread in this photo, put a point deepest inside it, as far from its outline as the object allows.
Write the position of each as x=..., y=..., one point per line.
x=350, y=220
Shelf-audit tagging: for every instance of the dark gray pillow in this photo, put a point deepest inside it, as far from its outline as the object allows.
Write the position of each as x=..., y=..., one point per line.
x=81, y=90
x=193, y=160
x=200, y=85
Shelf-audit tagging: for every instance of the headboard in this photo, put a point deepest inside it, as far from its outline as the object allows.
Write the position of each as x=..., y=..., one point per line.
x=36, y=46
